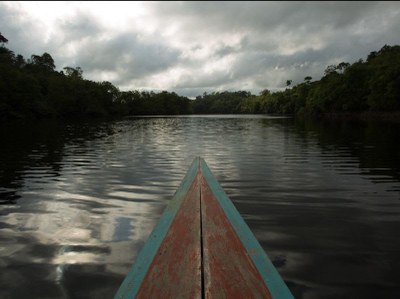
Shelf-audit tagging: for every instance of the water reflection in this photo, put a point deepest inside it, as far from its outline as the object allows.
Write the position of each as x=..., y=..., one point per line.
x=79, y=200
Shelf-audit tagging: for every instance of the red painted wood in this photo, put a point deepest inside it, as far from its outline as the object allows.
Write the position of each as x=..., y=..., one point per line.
x=176, y=269
x=228, y=269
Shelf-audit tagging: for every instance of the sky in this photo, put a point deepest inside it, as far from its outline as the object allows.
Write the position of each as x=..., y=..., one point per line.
x=196, y=47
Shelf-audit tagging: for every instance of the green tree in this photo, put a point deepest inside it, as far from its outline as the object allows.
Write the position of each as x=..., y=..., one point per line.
x=330, y=70
x=3, y=40
x=265, y=92
x=44, y=62
x=73, y=72
x=6, y=56
x=342, y=66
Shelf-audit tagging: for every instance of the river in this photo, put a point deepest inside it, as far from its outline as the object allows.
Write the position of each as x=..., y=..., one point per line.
x=79, y=199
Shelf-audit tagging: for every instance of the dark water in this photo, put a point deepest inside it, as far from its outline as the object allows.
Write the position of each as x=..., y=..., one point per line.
x=79, y=200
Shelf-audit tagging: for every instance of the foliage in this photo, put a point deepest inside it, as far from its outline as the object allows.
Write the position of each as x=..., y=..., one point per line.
x=34, y=88
x=373, y=85
x=3, y=40
x=221, y=102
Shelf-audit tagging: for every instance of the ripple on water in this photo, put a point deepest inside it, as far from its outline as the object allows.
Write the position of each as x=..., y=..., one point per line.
x=78, y=201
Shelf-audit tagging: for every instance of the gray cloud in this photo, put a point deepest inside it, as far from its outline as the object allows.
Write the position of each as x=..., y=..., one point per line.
x=78, y=27
x=261, y=17
x=22, y=32
x=126, y=55
x=192, y=47
x=315, y=34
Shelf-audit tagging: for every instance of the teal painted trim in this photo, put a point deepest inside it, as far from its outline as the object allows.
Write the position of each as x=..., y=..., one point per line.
x=130, y=286
x=272, y=279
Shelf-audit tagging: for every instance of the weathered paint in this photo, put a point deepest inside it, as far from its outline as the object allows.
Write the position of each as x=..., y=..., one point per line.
x=270, y=275
x=202, y=247
x=176, y=268
x=228, y=269
x=134, y=279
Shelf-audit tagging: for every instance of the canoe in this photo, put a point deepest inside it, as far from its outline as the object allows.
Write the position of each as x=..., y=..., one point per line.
x=202, y=248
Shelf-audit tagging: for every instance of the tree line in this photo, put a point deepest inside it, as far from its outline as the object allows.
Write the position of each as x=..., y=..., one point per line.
x=371, y=85
x=33, y=88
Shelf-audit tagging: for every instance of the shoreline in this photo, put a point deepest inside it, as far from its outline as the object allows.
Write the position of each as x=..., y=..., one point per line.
x=376, y=116
x=379, y=116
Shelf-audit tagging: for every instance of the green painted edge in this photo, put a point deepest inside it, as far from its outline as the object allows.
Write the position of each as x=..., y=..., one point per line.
x=132, y=282
x=267, y=270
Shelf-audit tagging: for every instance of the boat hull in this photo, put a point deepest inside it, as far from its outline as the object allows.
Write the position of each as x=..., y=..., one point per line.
x=202, y=247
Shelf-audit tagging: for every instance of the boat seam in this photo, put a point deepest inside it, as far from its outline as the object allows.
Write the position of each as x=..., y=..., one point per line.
x=201, y=239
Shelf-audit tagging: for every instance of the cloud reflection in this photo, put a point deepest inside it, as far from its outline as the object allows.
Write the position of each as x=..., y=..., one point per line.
x=85, y=212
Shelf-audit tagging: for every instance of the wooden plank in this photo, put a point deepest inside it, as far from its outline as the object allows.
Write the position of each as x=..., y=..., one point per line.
x=259, y=258
x=135, y=277
x=202, y=247
x=228, y=269
x=176, y=269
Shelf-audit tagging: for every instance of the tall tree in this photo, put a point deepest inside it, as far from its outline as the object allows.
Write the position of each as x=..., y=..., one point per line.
x=330, y=69
x=45, y=62
x=342, y=66
x=73, y=72
x=308, y=79
x=3, y=40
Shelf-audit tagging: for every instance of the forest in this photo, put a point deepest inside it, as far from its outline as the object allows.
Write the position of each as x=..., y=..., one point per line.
x=33, y=88
x=371, y=85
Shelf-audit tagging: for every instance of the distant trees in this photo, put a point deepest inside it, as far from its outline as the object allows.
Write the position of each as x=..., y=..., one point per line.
x=44, y=62
x=265, y=92
x=151, y=103
x=330, y=69
x=223, y=102
x=384, y=81
x=3, y=40
x=33, y=88
x=342, y=66
x=373, y=85
x=359, y=86
x=73, y=72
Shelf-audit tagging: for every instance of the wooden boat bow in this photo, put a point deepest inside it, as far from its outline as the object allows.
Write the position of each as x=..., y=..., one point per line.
x=202, y=248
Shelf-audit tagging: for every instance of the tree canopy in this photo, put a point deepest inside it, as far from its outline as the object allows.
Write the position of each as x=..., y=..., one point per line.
x=3, y=40
x=34, y=88
x=373, y=85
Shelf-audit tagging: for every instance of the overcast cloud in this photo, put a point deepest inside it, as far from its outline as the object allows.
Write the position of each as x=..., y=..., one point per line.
x=196, y=47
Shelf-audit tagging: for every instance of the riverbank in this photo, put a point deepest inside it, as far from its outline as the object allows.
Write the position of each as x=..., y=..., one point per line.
x=379, y=116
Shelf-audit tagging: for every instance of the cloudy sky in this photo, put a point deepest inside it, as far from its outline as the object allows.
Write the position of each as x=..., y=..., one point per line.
x=193, y=47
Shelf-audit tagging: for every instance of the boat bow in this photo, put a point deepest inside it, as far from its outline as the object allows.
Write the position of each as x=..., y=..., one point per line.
x=202, y=248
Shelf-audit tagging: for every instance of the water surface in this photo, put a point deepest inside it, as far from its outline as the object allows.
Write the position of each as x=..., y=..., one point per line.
x=78, y=200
